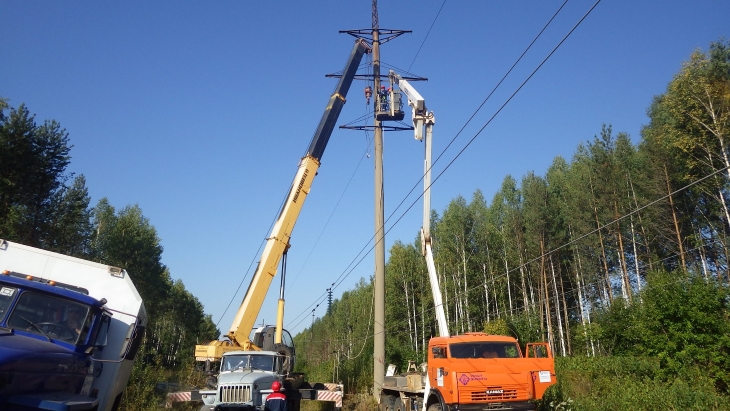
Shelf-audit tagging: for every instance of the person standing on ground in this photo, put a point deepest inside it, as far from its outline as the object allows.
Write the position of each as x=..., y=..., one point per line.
x=276, y=401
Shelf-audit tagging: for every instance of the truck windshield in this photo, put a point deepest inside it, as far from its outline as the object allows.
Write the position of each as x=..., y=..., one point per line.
x=240, y=362
x=6, y=298
x=485, y=349
x=53, y=317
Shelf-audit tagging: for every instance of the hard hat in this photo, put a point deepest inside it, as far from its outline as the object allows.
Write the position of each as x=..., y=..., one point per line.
x=276, y=385
x=382, y=86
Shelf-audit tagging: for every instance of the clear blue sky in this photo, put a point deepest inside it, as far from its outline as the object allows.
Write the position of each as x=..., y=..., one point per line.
x=199, y=112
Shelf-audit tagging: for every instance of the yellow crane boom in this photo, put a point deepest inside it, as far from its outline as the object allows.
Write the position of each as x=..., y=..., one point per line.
x=278, y=241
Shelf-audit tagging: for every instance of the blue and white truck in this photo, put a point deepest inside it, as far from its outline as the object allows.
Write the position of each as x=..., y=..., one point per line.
x=70, y=330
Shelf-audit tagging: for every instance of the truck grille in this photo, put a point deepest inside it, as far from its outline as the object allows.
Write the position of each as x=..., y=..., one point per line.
x=493, y=393
x=235, y=393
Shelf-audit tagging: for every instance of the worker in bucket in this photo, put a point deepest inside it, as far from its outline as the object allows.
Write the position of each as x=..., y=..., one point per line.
x=276, y=401
x=383, y=99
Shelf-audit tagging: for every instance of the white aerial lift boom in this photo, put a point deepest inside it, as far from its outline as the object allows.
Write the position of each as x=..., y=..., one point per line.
x=422, y=118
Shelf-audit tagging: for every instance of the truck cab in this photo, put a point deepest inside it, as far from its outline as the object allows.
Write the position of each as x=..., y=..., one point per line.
x=473, y=371
x=70, y=330
x=244, y=380
x=48, y=332
x=487, y=372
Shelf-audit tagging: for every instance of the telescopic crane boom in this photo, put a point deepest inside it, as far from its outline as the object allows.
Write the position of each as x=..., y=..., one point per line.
x=278, y=242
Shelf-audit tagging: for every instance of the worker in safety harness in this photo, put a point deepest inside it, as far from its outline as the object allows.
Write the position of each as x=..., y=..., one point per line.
x=276, y=401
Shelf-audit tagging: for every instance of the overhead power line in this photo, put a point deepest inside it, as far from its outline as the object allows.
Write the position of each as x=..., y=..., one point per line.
x=358, y=259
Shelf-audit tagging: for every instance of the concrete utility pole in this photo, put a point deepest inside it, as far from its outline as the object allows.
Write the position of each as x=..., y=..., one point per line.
x=376, y=36
x=379, y=284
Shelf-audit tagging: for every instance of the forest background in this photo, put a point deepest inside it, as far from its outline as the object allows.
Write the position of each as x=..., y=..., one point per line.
x=618, y=258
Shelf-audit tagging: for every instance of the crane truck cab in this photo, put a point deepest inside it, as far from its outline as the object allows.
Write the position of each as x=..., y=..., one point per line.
x=70, y=330
x=244, y=380
x=244, y=377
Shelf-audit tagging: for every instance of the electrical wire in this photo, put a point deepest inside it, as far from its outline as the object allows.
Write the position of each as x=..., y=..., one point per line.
x=253, y=260
x=532, y=306
x=584, y=286
x=339, y=200
x=427, y=33
x=276, y=216
x=355, y=260
x=598, y=282
x=468, y=121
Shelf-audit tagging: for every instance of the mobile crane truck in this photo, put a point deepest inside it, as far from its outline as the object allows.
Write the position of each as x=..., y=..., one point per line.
x=247, y=368
x=474, y=371
x=69, y=331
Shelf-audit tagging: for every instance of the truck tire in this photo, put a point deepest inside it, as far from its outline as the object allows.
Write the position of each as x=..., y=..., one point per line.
x=387, y=402
x=399, y=405
x=284, y=350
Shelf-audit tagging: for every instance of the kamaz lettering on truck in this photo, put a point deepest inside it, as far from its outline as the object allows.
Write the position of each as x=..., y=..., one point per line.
x=69, y=331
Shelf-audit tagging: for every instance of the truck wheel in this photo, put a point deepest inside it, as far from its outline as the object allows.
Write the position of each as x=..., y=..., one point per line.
x=284, y=350
x=387, y=402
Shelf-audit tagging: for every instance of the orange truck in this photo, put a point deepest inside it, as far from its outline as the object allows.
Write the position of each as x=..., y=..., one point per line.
x=470, y=372
x=473, y=371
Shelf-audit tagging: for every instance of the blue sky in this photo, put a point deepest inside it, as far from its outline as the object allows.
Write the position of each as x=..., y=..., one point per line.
x=200, y=111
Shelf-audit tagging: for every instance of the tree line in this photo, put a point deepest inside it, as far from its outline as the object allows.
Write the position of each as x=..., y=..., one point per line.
x=43, y=205
x=621, y=250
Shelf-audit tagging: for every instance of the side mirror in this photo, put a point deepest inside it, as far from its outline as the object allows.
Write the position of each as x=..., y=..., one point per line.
x=101, y=336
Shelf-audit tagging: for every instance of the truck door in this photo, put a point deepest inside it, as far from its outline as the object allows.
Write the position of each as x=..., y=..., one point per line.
x=542, y=366
x=438, y=364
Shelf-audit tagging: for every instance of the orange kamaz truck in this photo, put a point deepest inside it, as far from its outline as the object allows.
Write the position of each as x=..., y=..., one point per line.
x=470, y=372
x=473, y=371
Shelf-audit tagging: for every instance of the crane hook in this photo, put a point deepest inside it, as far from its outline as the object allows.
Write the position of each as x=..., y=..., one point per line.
x=368, y=93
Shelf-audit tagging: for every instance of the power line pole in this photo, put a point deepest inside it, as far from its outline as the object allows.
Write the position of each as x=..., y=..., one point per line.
x=379, y=285
x=376, y=40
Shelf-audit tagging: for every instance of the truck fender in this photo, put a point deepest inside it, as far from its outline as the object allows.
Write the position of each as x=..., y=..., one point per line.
x=435, y=397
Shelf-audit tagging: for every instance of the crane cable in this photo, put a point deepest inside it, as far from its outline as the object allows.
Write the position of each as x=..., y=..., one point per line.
x=365, y=154
x=273, y=221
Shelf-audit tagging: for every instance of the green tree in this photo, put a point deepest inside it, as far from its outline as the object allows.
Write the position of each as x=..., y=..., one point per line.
x=405, y=273
x=684, y=323
x=688, y=140
x=33, y=161
x=127, y=239
x=69, y=228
